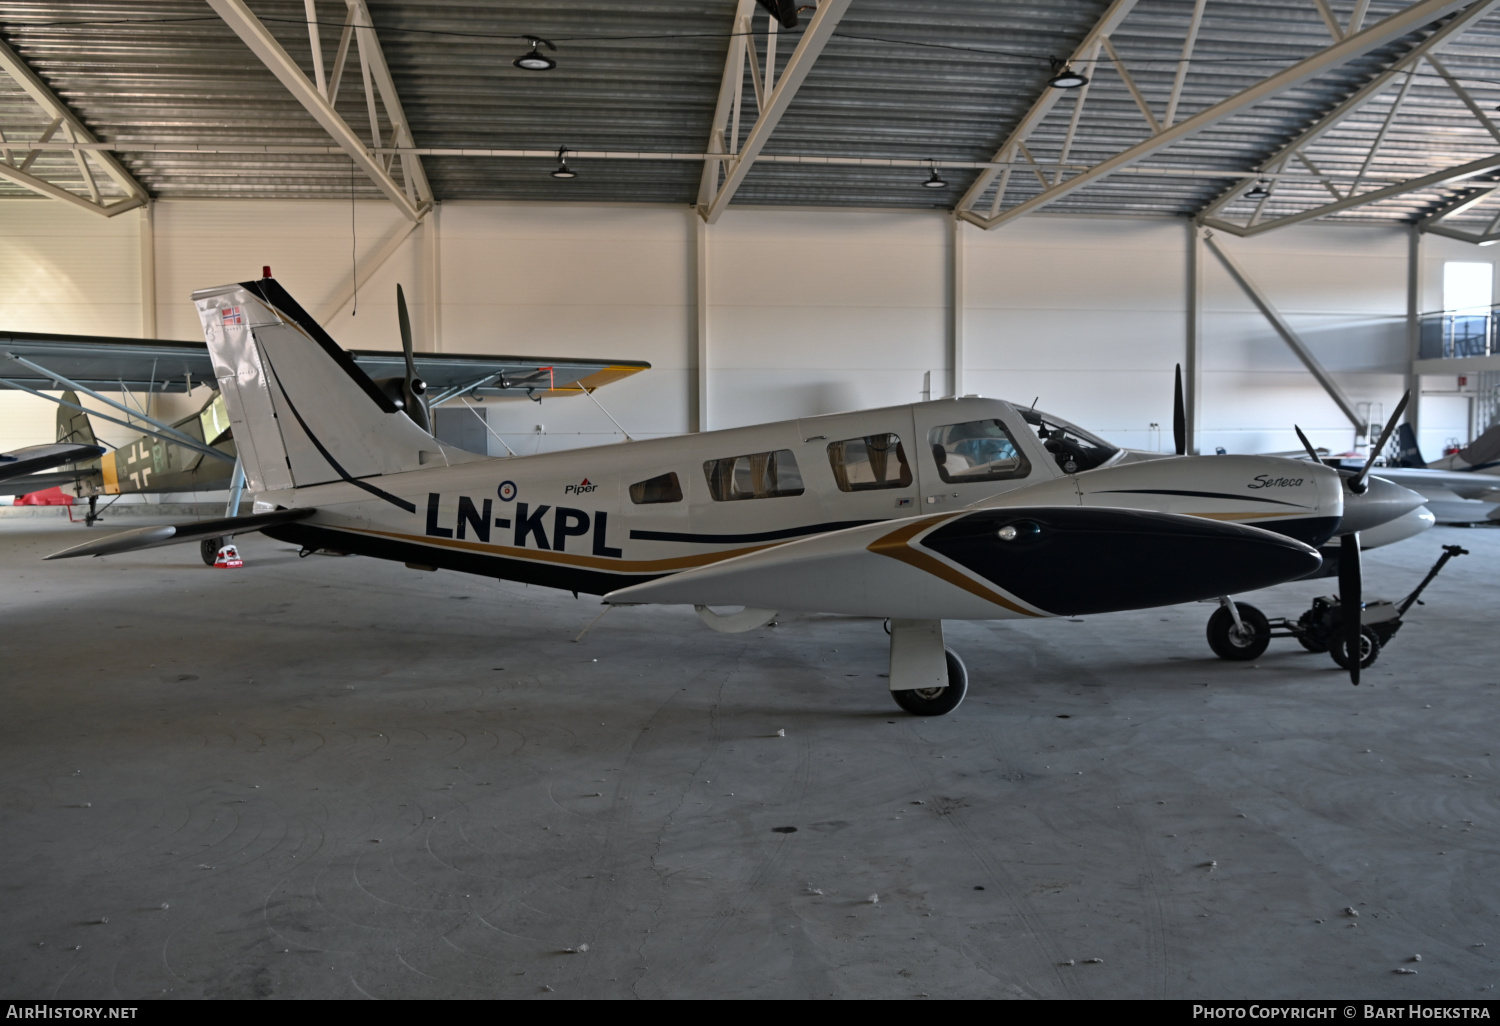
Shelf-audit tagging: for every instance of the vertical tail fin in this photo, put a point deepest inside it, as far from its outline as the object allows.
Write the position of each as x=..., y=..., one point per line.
x=303, y=411
x=1406, y=446
x=73, y=425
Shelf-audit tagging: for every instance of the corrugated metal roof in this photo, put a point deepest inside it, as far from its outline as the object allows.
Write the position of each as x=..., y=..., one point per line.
x=940, y=79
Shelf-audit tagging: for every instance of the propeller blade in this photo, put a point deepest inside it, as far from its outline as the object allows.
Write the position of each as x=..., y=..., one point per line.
x=1179, y=416
x=1358, y=482
x=414, y=387
x=1312, y=453
x=1351, y=600
x=406, y=343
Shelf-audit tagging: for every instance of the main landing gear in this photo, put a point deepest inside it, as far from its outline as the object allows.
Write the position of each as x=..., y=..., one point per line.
x=927, y=679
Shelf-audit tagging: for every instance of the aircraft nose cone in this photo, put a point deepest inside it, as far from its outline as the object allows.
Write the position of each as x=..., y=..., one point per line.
x=1382, y=502
x=1081, y=560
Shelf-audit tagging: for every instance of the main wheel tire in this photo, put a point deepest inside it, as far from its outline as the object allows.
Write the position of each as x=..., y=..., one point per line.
x=1231, y=644
x=208, y=548
x=937, y=701
x=1369, y=649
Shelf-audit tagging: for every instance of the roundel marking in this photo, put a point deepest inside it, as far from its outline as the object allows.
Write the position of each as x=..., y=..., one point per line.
x=507, y=491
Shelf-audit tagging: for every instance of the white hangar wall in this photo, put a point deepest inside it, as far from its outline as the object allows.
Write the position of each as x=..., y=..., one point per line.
x=809, y=311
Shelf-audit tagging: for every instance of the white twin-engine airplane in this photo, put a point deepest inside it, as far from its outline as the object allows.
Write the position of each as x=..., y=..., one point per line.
x=959, y=509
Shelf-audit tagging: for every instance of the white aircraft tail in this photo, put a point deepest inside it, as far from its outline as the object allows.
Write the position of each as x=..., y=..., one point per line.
x=302, y=410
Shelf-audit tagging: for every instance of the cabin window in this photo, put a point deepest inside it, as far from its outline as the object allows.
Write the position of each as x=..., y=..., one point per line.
x=662, y=488
x=979, y=450
x=762, y=475
x=865, y=464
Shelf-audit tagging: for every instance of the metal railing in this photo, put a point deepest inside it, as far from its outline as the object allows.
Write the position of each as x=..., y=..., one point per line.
x=1451, y=334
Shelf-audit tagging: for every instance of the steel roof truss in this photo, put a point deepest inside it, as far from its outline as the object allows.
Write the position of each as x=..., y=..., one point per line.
x=1432, y=44
x=1041, y=106
x=264, y=45
x=778, y=99
x=63, y=117
x=1337, y=55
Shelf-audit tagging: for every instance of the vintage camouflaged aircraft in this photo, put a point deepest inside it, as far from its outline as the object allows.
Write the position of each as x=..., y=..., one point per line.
x=197, y=453
x=954, y=509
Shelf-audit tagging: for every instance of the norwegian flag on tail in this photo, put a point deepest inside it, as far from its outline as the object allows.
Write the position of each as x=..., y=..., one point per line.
x=233, y=316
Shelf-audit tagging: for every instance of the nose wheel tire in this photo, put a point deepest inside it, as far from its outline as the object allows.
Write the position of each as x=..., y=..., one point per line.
x=937, y=701
x=1236, y=644
x=1369, y=649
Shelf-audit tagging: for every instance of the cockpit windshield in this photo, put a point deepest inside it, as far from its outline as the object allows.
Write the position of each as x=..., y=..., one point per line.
x=1073, y=448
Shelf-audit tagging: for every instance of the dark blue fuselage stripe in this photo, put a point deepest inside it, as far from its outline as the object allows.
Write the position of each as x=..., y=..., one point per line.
x=731, y=539
x=1200, y=495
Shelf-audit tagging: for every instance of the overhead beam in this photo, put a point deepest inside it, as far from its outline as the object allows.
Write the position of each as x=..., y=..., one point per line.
x=1394, y=27
x=45, y=188
x=411, y=164
x=1289, y=336
x=814, y=38
x=1447, y=176
x=1455, y=27
x=265, y=47
x=1044, y=103
x=731, y=88
x=64, y=117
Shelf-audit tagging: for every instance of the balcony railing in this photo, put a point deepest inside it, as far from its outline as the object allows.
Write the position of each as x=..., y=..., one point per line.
x=1453, y=333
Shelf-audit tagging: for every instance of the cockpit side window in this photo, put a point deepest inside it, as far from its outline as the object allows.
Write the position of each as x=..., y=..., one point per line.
x=214, y=419
x=977, y=450
x=865, y=464
x=662, y=488
x=1073, y=448
x=761, y=475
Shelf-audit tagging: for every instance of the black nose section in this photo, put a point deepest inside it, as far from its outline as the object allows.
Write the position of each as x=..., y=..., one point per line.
x=1070, y=560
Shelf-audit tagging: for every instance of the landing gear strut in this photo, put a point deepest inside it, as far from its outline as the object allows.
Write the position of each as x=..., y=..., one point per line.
x=927, y=679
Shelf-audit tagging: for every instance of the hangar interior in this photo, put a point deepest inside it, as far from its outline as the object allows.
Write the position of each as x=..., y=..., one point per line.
x=1293, y=200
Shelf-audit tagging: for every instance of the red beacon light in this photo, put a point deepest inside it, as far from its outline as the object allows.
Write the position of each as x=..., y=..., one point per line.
x=265, y=272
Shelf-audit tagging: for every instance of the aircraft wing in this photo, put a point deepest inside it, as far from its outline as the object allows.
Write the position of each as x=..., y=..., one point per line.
x=1465, y=484
x=994, y=564
x=28, y=483
x=450, y=375
x=157, y=365
x=41, y=457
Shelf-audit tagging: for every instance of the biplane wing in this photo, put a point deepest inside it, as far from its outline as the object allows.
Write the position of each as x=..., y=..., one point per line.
x=36, y=362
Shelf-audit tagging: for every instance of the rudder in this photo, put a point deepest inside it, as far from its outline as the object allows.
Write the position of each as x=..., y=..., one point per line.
x=73, y=425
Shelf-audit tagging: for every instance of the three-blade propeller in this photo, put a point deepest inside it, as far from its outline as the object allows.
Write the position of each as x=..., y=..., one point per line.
x=1351, y=583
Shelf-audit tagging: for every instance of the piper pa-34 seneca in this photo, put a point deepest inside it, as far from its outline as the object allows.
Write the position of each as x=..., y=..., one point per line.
x=963, y=509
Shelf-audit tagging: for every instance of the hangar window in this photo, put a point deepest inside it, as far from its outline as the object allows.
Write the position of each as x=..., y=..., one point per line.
x=978, y=450
x=761, y=475
x=662, y=488
x=864, y=464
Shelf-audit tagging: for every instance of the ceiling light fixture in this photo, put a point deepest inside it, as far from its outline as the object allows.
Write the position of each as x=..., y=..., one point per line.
x=563, y=170
x=1064, y=77
x=535, y=61
x=935, y=180
x=1259, y=192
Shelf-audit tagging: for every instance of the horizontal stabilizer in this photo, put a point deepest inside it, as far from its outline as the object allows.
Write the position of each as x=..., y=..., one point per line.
x=172, y=534
x=40, y=457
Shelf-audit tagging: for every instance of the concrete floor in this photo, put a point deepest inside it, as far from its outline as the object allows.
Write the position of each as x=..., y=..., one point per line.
x=334, y=777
